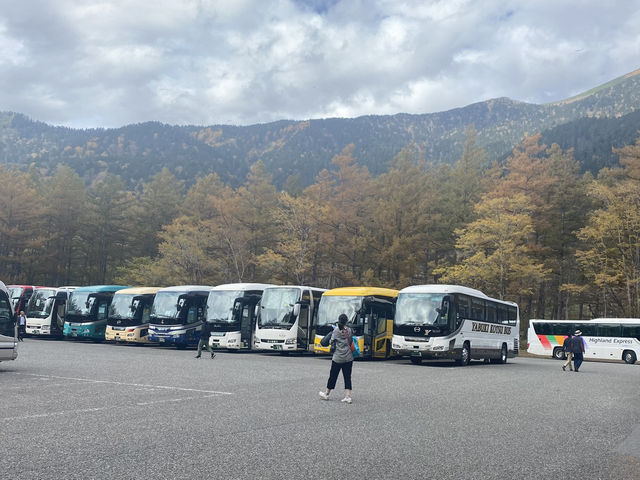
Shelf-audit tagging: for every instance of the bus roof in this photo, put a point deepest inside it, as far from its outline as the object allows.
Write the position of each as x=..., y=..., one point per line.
x=296, y=286
x=362, y=292
x=591, y=320
x=100, y=288
x=436, y=288
x=187, y=288
x=138, y=291
x=243, y=286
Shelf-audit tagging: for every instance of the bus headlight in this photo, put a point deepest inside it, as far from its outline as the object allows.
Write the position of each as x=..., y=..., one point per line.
x=290, y=341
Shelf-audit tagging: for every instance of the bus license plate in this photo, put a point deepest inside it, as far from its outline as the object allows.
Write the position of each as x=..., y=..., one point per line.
x=276, y=347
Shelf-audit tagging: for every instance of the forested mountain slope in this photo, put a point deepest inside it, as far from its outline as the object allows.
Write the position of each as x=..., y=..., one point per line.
x=591, y=123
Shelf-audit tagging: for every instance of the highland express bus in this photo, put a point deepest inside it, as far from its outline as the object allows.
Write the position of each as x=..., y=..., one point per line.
x=177, y=315
x=46, y=311
x=8, y=327
x=20, y=295
x=88, y=310
x=370, y=311
x=231, y=310
x=286, y=320
x=454, y=322
x=129, y=315
x=603, y=338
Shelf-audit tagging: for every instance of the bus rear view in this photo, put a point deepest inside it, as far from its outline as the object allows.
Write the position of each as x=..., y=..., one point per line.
x=8, y=329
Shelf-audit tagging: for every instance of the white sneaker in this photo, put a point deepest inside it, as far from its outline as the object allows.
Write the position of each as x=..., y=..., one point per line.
x=323, y=395
x=346, y=400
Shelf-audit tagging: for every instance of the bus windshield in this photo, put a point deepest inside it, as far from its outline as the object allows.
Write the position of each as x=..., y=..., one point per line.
x=220, y=305
x=123, y=306
x=331, y=306
x=14, y=294
x=168, y=304
x=419, y=309
x=276, y=307
x=40, y=303
x=81, y=303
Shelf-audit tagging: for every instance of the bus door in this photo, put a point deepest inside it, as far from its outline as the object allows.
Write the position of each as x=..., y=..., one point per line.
x=378, y=328
x=302, y=310
x=57, y=312
x=244, y=309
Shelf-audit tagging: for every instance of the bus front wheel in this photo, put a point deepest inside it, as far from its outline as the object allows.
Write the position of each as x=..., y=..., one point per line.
x=558, y=353
x=416, y=360
x=465, y=355
x=629, y=357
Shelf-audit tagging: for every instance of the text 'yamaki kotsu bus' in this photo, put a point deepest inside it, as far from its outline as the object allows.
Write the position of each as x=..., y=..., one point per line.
x=88, y=310
x=370, y=311
x=454, y=322
x=46, y=310
x=129, y=315
x=287, y=317
x=603, y=338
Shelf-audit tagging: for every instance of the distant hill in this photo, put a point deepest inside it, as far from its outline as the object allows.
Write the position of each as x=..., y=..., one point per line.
x=591, y=123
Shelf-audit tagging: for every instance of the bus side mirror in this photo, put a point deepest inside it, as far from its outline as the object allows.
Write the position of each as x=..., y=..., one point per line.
x=296, y=309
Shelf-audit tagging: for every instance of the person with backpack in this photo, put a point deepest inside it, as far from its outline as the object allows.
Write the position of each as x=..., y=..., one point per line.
x=577, y=348
x=205, y=333
x=566, y=346
x=341, y=339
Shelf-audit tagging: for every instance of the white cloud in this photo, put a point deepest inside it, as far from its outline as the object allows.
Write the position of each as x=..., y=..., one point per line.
x=112, y=62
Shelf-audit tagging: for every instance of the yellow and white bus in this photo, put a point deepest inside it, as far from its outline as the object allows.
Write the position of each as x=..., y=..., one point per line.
x=603, y=338
x=287, y=317
x=129, y=315
x=454, y=322
x=370, y=311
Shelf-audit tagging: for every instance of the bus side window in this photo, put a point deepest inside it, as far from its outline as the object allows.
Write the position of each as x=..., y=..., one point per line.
x=631, y=331
x=605, y=330
x=477, y=309
x=491, y=312
x=192, y=314
x=102, y=310
x=146, y=310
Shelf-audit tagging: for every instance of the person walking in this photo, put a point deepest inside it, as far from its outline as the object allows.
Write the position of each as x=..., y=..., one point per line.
x=205, y=333
x=340, y=338
x=577, y=347
x=22, y=326
x=566, y=346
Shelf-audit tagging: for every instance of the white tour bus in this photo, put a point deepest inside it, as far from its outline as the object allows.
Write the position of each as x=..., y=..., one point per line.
x=231, y=311
x=604, y=338
x=454, y=322
x=8, y=328
x=46, y=309
x=287, y=317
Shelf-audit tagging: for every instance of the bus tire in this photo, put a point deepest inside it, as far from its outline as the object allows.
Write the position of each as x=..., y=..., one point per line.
x=629, y=357
x=465, y=355
x=503, y=354
x=558, y=353
x=416, y=360
x=181, y=346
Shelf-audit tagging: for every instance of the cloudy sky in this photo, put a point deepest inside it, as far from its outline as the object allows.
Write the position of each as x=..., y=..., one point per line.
x=108, y=63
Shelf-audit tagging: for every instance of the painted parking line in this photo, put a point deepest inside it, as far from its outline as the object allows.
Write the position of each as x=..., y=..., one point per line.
x=109, y=407
x=125, y=384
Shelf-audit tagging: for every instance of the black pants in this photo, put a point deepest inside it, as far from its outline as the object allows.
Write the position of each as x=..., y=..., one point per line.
x=346, y=373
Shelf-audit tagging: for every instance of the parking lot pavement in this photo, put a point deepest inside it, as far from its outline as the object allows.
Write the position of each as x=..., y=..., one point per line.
x=84, y=410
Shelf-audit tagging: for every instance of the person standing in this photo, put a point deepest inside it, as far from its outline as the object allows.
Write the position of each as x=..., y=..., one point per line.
x=22, y=326
x=577, y=347
x=205, y=333
x=340, y=338
x=566, y=346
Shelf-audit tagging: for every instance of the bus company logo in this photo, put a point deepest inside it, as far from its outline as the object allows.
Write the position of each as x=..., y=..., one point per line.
x=486, y=328
x=416, y=329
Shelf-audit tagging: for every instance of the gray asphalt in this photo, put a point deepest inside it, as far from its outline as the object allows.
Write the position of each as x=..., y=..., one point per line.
x=78, y=410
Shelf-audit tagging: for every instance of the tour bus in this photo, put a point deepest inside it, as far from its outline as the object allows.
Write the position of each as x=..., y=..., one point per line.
x=287, y=316
x=87, y=311
x=370, y=311
x=454, y=322
x=46, y=310
x=8, y=328
x=20, y=295
x=603, y=338
x=231, y=310
x=177, y=314
x=129, y=314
